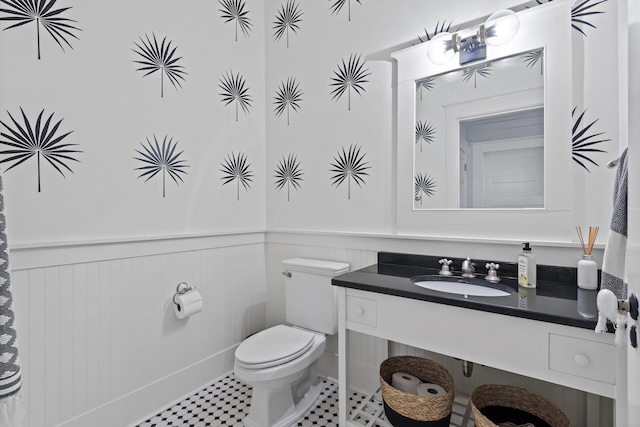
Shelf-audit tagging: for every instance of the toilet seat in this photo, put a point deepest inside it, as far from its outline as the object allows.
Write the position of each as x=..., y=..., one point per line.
x=272, y=347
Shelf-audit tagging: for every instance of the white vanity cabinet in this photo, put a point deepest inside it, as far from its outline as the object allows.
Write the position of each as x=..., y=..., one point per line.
x=569, y=356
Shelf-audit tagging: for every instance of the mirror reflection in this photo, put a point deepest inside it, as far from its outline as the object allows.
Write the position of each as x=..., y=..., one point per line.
x=479, y=136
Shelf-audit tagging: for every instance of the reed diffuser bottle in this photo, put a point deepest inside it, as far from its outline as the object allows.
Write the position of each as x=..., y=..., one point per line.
x=587, y=267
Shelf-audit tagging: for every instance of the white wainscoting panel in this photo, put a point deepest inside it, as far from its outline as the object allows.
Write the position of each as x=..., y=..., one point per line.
x=100, y=345
x=99, y=341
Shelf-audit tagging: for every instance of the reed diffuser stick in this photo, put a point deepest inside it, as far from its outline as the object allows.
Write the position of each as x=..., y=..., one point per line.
x=593, y=233
x=584, y=249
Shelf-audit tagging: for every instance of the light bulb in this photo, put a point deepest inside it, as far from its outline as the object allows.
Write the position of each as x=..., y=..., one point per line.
x=501, y=27
x=439, y=49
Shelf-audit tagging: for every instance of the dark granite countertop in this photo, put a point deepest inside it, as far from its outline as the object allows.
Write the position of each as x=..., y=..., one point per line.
x=556, y=299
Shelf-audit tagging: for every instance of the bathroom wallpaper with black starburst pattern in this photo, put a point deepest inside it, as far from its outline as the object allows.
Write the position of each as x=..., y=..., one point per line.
x=287, y=21
x=351, y=75
x=471, y=74
x=288, y=97
x=585, y=140
x=162, y=160
x=46, y=16
x=439, y=28
x=161, y=58
x=583, y=14
x=425, y=132
x=236, y=167
x=349, y=166
x=290, y=75
x=236, y=13
x=337, y=6
x=288, y=174
x=41, y=141
x=235, y=92
x=424, y=185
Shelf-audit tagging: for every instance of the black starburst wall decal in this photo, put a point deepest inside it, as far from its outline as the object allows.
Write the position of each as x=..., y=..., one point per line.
x=424, y=185
x=160, y=58
x=237, y=168
x=337, y=5
x=39, y=140
x=483, y=70
x=288, y=96
x=235, y=10
x=428, y=84
x=583, y=143
x=41, y=12
x=532, y=58
x=351, y=75
x=235, y=89
x=580, y=11
x=287, y=18
x=161, y=159
x=288, y=173
x=440, y=28
x=349, y=166
x=425, y=132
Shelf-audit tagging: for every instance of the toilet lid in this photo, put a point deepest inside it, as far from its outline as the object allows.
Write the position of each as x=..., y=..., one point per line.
x=273, y=346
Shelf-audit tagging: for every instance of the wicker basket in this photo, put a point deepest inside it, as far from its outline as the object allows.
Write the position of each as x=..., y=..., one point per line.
x=517, y=398
x=411, y=406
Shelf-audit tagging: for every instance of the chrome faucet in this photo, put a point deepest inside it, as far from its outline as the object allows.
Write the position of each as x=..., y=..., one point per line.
x=445, y=271
x=468, y=268
x=492, y=272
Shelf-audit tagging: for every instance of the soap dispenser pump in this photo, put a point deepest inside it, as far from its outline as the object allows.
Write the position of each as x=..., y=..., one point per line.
x=527, y=267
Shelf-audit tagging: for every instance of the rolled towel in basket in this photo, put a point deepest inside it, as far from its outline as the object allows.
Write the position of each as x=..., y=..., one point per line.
x=430, y=390
x=404, y=382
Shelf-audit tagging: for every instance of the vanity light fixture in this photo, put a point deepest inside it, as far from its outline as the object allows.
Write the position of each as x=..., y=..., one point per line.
x=500, y=28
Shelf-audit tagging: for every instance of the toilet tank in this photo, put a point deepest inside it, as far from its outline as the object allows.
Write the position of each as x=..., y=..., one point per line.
x=311, y=300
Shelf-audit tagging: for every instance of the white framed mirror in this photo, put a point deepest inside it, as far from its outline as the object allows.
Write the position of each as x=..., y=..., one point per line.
x=457, y=208
x=488, y=121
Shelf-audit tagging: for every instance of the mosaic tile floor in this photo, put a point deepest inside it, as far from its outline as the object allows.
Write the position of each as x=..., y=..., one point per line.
x=226, y=402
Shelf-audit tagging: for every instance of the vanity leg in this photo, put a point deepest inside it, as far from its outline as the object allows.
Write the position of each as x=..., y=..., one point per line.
x=343, y=400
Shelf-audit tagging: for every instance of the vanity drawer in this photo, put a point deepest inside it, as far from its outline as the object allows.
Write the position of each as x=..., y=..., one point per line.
x=361, y=310
x=583, y=358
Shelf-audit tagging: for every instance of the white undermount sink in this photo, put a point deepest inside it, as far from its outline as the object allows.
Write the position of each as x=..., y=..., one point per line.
x=462, y=286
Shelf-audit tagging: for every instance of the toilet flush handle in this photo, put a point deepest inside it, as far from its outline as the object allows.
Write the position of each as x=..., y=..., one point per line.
x=286, y=273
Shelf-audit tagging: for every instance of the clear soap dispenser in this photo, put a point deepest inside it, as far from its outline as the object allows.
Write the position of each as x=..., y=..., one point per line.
x=527, y=267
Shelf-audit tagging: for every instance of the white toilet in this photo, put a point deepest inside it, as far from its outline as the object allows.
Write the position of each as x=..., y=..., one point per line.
x=279, y=362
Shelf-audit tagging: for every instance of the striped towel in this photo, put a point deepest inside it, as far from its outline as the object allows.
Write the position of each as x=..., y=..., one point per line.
x=614, y=263
x=10, y=377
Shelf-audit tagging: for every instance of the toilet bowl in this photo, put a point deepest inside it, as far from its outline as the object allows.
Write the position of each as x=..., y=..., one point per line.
x=279, y=363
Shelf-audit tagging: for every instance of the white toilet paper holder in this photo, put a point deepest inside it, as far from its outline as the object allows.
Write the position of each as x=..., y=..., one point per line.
x=182, y=288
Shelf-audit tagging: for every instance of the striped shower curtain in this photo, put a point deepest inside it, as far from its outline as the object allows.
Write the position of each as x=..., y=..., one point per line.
x=10, y=377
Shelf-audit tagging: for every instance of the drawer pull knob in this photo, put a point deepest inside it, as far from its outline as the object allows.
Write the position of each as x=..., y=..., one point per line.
x=359, y=311
x=581, y=359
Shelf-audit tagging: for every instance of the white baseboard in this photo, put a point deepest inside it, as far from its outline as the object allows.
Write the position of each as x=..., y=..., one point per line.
x=136, y=407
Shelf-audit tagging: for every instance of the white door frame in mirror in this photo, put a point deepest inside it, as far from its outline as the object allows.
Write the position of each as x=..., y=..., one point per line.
x=545, y=26
x=456, y=113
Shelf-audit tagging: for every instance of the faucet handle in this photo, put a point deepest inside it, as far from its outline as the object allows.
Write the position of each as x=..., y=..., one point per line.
x=445, y=271
x=468, y=268
x=492, y=274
